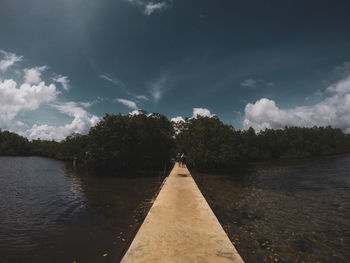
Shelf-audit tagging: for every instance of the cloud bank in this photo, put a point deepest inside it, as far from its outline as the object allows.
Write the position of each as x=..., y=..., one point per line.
x=333, y=110
x=81, y=123
x=14, y=99
x=34, y=93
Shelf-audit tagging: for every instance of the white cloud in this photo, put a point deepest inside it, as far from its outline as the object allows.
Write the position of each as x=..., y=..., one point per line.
x=118, y=83
x=130, y=104
x=158, y=87
x=64, y=82
x=333, y=110
x=8, y=60
x=177, y=119
x=26, y=97
x=124, y=88
x=34, y=93
x=202, y=112
x=81, y=123
x=112, y=80
x=155, y=7
x=88, y=104
x=342, y=87
x=149, y=7
x=33, y=75
x=136, y=112
x=141, y=97
x=250, y=83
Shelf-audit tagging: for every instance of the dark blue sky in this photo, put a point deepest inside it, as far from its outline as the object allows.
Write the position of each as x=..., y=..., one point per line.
x=173, y=56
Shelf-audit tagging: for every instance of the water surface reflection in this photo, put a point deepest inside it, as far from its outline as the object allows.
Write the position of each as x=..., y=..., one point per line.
x=292, y=212
x=51, y=213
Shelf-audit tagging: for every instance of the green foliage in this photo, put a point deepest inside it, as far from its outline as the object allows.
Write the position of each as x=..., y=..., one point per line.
x=147, y=142
x=45, y=148
x=13, y=144
x=210, y=144
x=118, y=142
x=125, y=142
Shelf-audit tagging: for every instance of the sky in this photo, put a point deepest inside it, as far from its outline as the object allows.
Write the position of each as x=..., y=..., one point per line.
x=64, y=64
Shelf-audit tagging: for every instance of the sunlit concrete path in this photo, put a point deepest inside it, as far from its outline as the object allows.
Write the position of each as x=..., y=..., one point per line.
x=181, y=227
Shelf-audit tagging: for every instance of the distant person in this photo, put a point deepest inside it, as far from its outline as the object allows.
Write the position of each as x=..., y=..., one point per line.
x=183, y=160
x=178, y=158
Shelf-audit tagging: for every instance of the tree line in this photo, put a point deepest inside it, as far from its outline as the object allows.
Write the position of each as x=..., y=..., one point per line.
x=149, y=141
x=210, y=144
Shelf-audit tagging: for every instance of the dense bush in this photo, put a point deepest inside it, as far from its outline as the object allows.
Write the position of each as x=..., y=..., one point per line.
x=125, y=142
x=147, y=142
x=13, y=144
x=210, y=144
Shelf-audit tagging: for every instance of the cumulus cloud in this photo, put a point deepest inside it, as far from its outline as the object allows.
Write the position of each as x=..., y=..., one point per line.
x=333, y=110
x=33, y=75
x=64, y=81
x=81, y=123
x=149, y=7
x=177, y=119
x=249, y=83
x=8, y=60
x=202, y=112
x=30, y=95
x=14, y=99
x=34, y=93
x=342, y=87
x=128, y=103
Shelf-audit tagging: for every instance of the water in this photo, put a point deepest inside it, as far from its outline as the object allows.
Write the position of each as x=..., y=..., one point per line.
x=292, y=212
x=51, y=213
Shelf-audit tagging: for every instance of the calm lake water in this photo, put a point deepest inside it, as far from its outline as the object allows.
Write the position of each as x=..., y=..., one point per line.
x=51, y=213
x=292, y=212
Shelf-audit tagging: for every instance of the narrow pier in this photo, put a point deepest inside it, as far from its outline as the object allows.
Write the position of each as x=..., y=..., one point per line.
x=181, y=227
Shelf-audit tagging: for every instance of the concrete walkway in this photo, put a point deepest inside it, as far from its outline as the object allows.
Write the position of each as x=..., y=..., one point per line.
x=181, y=227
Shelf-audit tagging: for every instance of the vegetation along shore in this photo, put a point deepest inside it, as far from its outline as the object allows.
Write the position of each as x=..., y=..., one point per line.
x=149, y=141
